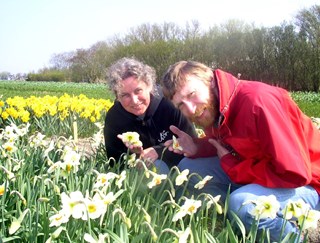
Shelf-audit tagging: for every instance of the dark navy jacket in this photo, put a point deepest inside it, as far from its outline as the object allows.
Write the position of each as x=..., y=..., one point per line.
x=153, y=128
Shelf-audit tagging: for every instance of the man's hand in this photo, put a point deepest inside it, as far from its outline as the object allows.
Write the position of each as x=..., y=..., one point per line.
x=189, y=148
x=221, y=151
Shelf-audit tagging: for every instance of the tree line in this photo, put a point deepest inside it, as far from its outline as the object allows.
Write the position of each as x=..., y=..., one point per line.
x=287, y=55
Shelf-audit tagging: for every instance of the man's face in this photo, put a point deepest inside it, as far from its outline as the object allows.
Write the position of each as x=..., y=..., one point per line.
x=195, y=100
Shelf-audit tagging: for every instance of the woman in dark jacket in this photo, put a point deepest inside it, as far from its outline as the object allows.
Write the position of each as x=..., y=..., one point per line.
x=139, y=108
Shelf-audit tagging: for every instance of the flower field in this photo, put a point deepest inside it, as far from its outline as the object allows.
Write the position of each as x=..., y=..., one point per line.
x=52, y=191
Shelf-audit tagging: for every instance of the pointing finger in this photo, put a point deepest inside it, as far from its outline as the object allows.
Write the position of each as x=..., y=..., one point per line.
x=176, y=131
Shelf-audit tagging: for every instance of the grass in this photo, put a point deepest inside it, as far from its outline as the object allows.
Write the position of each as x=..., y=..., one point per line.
x=27, y=89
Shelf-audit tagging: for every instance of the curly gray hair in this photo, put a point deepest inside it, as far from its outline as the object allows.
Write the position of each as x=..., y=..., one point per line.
x=130, y=67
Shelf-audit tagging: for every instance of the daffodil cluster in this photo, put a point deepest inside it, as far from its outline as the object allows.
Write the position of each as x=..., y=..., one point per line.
x=269, y=207
x=51, y=191
x=48, y=111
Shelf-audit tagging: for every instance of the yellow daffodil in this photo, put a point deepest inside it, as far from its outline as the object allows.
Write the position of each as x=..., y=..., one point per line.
x=3, y=188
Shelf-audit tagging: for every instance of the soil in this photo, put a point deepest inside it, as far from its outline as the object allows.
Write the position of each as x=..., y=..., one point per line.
x=314, y=235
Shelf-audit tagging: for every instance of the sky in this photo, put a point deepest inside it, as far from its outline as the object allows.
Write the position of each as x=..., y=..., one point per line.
x=31, y=31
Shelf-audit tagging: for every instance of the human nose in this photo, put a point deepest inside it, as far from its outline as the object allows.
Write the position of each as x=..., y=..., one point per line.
x=135, y=98
x=189, y=107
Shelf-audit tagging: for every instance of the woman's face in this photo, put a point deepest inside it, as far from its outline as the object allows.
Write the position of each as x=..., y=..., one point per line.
x=134, y=96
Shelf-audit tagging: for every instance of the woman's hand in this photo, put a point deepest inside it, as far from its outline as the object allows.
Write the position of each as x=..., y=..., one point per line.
x=134, y=148
x=149, y=155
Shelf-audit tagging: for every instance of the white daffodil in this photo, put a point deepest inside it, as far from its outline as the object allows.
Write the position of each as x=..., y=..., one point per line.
x=72, y=157
x=95, y=208
x=22, y=130
x=71, y=161
x=107, y=199
x=214, y=200
x=131, y=138
x=103, y=180
x=9, y=133
x=60, y=218
x=37, y=140
x=90, y=239
x=54, y=166
x=203, y=182
x=49, y=148
x=121, y=178
x=265, y=207
x=184, y=235
x=9, y=148
x=16, y=223
x=182, y=177
x=73, y=204
x=295, y=209
x=156, y=179
x=131, y=160
x=309, y=220
x=175, y=144
x=189, y=207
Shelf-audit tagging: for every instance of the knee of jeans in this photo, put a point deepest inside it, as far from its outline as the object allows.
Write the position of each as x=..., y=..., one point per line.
x=238, y=205
x=185, y=163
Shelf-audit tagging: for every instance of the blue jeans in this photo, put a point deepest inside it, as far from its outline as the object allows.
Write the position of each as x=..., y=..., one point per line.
x=162, y=167
x=239, y=194
x=252, y=191
x=218, y=185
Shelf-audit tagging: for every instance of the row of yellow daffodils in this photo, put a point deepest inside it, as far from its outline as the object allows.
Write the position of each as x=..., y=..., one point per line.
x=19, y=108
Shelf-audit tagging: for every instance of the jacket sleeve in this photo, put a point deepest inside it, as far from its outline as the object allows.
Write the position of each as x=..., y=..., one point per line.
x=205, y=149
x=284, y=157
x=114, y=146
x=172, y=117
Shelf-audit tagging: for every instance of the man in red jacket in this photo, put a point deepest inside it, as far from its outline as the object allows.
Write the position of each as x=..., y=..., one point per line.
x=262, y=142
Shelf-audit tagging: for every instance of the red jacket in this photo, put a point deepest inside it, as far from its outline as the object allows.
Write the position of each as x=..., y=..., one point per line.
x=275, y=144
